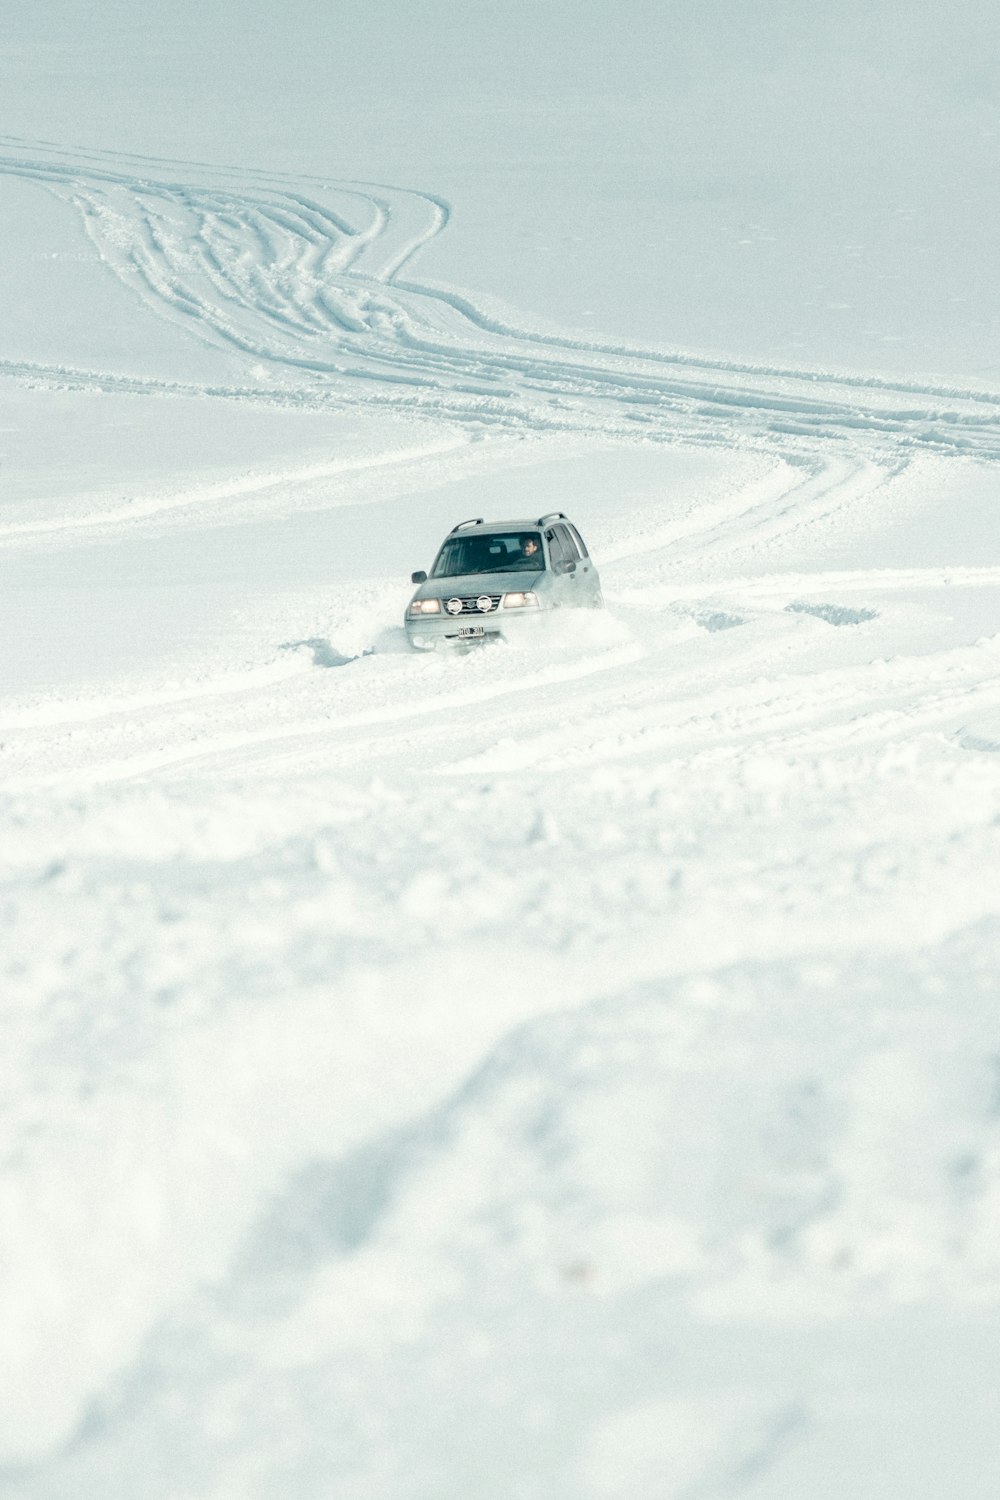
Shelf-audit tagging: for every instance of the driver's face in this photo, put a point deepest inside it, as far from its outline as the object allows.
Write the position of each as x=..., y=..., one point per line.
x=530, y=547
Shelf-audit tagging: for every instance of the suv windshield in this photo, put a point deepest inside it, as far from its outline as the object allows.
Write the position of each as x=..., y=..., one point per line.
x=506, y=552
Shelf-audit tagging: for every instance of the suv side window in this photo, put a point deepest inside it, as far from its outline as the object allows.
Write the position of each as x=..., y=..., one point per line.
x=578, y=539
x=559, y=550
x=569, y=542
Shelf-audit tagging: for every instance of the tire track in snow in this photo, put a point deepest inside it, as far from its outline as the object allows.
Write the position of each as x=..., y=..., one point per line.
x=777, y=586
x=783, y=715
x=98, y=763
x=642, y=700
x=249, y=484
x=303, y=279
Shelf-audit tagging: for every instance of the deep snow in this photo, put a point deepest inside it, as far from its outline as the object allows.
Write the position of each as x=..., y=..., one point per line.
x=564, y=1071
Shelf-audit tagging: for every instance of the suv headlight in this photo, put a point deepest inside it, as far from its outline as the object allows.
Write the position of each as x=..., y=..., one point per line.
x=425, y=607
x=520, y=601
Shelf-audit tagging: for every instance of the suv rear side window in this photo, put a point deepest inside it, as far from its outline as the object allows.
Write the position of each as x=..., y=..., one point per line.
x=560, y=550
x=569, y=542
x=578, y=539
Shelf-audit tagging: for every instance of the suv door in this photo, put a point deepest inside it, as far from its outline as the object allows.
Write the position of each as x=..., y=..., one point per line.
x=590, y=583
x=586, y=587
x=563, y=560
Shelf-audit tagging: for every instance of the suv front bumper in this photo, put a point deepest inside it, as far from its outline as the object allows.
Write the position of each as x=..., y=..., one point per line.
x=429, y=632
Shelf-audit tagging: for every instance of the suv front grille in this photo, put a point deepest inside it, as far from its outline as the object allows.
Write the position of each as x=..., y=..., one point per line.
x=470, y=605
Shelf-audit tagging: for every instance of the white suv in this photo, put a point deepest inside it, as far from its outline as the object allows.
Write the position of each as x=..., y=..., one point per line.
x=491, y=578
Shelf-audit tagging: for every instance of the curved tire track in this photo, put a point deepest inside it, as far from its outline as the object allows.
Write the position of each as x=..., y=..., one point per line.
x=304, y=279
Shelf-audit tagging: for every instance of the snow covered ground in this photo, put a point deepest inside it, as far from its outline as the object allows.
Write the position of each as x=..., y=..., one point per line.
x=564, y=1072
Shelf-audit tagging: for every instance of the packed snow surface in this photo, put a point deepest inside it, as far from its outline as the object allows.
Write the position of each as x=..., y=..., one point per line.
x=561, y=1071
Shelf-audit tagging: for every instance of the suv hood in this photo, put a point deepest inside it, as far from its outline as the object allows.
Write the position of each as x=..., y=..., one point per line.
x=479, y=583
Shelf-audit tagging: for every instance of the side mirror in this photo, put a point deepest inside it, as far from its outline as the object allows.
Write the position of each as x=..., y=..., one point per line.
x=418, y=577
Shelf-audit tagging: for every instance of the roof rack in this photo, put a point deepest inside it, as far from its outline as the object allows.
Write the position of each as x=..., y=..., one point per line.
x=478, y=521
x=553, y=515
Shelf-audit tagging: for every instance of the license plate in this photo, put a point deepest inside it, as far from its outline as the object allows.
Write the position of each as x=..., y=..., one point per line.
x=471, y=630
